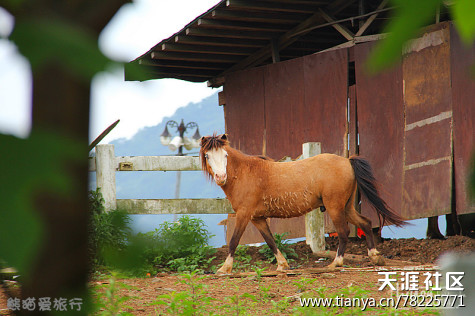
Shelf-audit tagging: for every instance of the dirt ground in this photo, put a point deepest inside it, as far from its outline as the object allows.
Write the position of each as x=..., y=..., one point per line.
x=255, y=289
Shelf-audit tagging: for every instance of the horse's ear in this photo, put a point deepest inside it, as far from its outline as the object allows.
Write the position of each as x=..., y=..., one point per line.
x=202, y=138
x=224, y=137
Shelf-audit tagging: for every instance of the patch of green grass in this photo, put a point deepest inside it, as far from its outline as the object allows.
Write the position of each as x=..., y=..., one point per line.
x=194, y=301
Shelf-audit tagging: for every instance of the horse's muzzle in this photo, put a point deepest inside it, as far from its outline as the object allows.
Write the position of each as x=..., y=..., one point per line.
x=220, y=179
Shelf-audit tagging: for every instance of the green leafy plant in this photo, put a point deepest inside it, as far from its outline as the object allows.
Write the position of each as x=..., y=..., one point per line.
x=242, y=259
x=109, y=231
x=108, y=302
x=304, y=284
x=178, y=246
x=287, y=251
x=195, y=301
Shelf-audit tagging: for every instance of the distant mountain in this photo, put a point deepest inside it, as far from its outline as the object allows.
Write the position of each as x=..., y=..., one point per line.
x=146, y=142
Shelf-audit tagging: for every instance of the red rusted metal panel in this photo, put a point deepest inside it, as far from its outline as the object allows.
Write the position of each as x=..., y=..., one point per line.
x=284, y=108
x=244, y=110
x=326, y=97
x=380, y=112
x=463, y=105
x=427, y=177
x=245, y=125
x=422, y=194
x=428, y=143
x=427, y=76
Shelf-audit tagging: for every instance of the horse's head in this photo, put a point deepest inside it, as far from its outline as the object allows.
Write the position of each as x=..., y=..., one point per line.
x=214, y=157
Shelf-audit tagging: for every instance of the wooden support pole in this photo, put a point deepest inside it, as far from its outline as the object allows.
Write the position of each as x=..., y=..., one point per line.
x=105, y=175
x=314, y=221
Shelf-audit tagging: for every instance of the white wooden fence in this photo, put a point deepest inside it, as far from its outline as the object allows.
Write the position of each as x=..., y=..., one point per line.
x=106, y=164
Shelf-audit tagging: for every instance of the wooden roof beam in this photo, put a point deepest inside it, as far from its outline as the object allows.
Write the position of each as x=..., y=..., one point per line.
x=237, y=25
x=174, y=47
x=220, y=41
x=349, y=35
x=285, y=40
x=217, y=58
x=229, y=33
x=370, y=20
x=265, y=17
x=183, y=64
x=274, y=6
x=183, y=72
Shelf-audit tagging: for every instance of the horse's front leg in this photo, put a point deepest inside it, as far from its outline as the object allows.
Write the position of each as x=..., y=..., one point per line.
x=242, y=219
x=263, y=227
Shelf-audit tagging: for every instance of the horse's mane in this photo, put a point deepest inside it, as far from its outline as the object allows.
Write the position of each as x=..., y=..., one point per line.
x=209, y=143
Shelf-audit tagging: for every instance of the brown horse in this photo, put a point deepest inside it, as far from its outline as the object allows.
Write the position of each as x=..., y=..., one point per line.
x=259, y=188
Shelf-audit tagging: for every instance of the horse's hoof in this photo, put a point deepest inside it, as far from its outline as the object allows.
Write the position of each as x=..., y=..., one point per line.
x=332, y=266
x=283, y=268
x=223, y=271
x=219, y=272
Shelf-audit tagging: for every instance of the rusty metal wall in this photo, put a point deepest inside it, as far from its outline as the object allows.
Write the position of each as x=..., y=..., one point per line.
x=462, y=59
x=244, y=110
x=427, y=173
x=245, y=124
x=326, y=99
x=380, y=113
x=284, y=108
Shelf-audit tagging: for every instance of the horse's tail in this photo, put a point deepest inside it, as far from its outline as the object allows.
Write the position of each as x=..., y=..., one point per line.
x=367, y=185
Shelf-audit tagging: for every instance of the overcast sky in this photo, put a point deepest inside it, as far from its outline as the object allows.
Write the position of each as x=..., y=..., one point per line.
x=134, y=30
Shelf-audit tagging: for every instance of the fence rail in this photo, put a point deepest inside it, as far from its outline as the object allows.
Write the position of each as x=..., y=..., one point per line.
x=106, y=164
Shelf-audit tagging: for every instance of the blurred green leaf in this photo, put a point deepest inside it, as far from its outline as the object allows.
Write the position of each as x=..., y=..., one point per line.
x=463, y=13
x=409, y=17
x=29, y=166
x=43, y=41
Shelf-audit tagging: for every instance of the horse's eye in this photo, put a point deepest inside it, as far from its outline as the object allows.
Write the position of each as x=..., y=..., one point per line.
x=226, y=156
x=206, y=156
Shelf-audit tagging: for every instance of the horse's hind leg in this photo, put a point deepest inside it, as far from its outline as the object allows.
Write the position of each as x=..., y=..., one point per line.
x=365, y=224
x=242, y=219
x=339, y=221
x=263, y=227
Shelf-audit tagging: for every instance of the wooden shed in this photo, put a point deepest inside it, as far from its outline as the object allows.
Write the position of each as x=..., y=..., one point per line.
x=293, y=72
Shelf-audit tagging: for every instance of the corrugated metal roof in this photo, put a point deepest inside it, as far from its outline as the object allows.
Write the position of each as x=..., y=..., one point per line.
x=238, y=34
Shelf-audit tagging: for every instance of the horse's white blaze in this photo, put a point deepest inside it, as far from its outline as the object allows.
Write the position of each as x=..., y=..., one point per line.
x=217, y=160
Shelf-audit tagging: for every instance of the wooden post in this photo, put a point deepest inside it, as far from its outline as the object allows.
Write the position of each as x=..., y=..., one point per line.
x=105, y=175
x=314, y=221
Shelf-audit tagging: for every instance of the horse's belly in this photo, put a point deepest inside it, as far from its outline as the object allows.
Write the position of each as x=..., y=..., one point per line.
x=289, y=204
